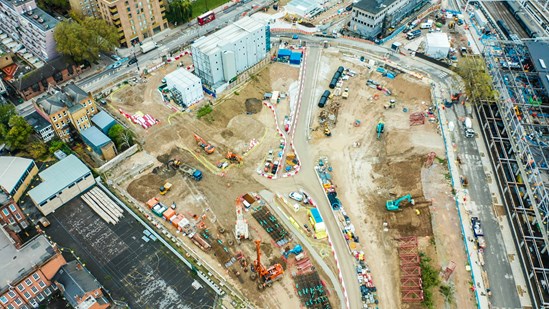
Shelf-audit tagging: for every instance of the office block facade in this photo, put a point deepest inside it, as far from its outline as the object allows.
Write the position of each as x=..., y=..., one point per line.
x=27, y=24
x=369, y=18
x=135, y=20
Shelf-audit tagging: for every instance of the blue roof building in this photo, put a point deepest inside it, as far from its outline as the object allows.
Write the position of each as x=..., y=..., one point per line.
x=16, y=174
x=284, y=53
x=61, y=182
x=103, y=121
x=295, y=58
x=99, y=142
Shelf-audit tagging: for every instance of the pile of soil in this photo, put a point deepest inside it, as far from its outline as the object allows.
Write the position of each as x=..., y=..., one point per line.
x=253, y=106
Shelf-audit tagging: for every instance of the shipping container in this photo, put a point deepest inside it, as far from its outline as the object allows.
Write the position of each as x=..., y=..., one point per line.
x=152, y=202
x=168, y=214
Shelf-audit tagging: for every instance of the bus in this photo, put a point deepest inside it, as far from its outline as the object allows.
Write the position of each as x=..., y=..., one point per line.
x=205, y=18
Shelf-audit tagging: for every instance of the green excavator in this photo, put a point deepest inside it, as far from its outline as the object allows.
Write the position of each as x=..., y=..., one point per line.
x=394, y=205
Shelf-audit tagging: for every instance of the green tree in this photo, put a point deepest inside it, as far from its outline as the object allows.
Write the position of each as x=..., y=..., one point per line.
x=122, y=137
x=37, y=150
x=179, y=11
x=6, y=111
x=56, y=145
x=478, y=83
x=18, y=133
x=50, y=6
x=85, y=39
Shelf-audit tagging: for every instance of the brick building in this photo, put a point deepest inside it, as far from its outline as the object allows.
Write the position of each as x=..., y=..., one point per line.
x=135, y=20
x=52, y=73
x=27, y=270
x=68, y=109
x=12, y=219
x=80, y=287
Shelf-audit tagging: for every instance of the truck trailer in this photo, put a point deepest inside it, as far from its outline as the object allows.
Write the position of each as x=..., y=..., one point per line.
x=148, y=46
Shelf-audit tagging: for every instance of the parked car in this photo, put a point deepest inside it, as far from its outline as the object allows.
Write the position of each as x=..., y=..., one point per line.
x=296, y=196
x=132, y=61
x=115, y=57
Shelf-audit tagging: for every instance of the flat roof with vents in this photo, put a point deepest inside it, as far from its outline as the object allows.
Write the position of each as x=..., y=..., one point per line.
x=40, y=19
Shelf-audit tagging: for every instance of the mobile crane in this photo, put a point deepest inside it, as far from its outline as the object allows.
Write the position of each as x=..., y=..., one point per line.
x=266, y=275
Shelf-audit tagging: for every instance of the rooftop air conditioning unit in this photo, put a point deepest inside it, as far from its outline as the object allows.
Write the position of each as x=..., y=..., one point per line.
x=35, y=16
x=40, y=20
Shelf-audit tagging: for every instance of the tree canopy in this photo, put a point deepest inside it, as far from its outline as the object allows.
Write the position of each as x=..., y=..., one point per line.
x=85, y=39
x=16, y=133
x=122, y=137
x=179, y=11
x=478, y=83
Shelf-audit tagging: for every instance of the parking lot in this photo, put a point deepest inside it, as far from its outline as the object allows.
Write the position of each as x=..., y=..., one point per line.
x=142, y=274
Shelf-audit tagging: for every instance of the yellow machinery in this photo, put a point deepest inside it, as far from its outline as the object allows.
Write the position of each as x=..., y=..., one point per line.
x=165, y=188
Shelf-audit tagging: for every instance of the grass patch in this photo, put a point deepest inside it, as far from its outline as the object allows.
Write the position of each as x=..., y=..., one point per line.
x=202, y=6
x=204, y=110
x=429, y=278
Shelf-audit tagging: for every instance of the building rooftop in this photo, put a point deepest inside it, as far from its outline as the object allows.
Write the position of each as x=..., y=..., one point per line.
x=15, y=3
x=373, y=6
x=231, y=33
x=102, y=119
x=57, y=177
x=76, y=281
x=49, y=69
x=11, y=171
x=69, y=96
x=540, y=58
x=40, y=19
x=183, y=78
x=37, y=122
x=95, y=137
x=19, y=263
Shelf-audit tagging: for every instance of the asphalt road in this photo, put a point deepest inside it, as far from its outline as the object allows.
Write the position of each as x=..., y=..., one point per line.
x=306, y=178
x=500, y=276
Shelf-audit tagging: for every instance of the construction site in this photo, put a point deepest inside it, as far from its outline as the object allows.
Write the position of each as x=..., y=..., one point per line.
x=386, y=129
x=200, y=178
x=195, y=178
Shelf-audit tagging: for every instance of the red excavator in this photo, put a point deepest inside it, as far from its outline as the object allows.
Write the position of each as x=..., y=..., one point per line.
x=266, y=275
x=208, y=148
x=233, y=157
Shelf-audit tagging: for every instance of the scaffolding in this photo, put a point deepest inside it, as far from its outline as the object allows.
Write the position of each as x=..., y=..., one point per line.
x=516, y=131
x=410, y=271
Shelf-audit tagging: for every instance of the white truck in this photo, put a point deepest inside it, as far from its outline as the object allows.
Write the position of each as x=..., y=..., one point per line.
x=426, y=25
x=148, y=46
x=468, y=128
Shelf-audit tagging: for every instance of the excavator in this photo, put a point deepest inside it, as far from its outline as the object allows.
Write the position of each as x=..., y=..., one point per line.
x=208, y=148
x=266, y=275
x=394, y=205
x=379, y=129
x=233, y=157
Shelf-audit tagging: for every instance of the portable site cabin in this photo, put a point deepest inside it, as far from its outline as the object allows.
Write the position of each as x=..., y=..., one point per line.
x=318, y=223
x=295, y=58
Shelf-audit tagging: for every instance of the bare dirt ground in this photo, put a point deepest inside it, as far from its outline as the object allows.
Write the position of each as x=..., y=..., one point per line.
x=380, y=170
x=228, y=128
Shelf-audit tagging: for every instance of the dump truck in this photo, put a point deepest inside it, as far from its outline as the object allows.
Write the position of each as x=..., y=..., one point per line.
x=190, y=171
x=148, y=46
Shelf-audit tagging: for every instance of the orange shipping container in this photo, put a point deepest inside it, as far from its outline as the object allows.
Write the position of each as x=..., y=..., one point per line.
x=176, y=220
x=168, y=213
x=152, y=202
